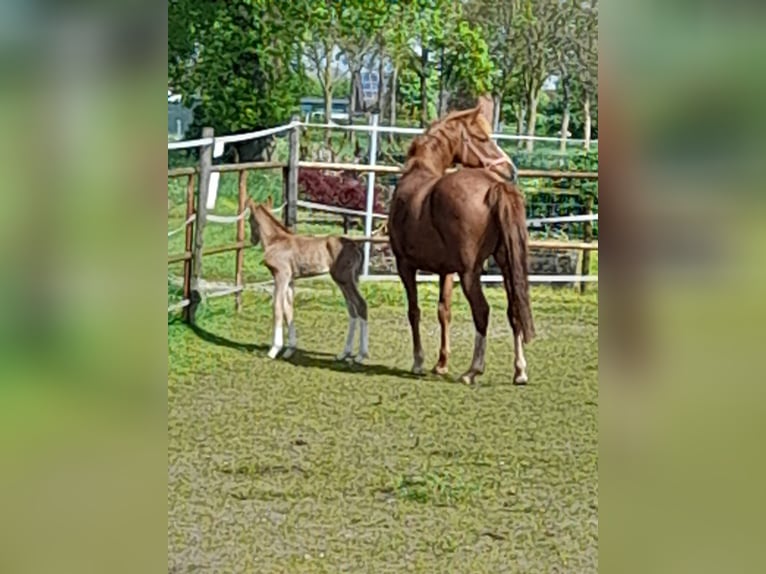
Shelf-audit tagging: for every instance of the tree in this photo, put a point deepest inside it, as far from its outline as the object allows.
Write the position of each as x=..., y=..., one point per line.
x=320, y=39
x=442, y=45
x=566, y=61
x=500, y=23
x=588, y=60
x=540, y=23
x=239, y=62
x=359, y=24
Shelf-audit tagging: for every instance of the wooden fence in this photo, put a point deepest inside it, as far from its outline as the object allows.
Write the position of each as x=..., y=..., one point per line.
x=196, y=212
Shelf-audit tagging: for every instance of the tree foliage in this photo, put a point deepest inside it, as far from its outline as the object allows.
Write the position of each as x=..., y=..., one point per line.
x=238, y=62
x=245, y=63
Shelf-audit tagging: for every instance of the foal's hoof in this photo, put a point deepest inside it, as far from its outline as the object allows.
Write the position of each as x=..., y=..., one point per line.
x=417, y=369
x=342, y=356
x=289, y=352
x=274, y=351
x=520, y=379
x=467, y=378
x=440, y=369
x=359, y=359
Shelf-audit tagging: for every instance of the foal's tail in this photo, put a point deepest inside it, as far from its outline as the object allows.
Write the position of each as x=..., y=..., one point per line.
x=512, y=223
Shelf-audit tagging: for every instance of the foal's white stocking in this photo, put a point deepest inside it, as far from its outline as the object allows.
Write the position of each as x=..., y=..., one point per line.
x=278, y=319
x=364, y=343
x=292, y=337
x=348, y=350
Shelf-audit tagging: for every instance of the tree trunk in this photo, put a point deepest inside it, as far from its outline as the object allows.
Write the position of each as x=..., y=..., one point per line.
x=564, y=129
x=520, y=113
x=532, y=118
x=586, y=116
x=352, y=108
x=496, y=112
x=424, y=88
x=327, y=95
x=392, y=110
x=564, y=119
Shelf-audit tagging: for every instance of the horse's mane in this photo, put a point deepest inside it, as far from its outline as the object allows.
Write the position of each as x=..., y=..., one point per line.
x=424, y=143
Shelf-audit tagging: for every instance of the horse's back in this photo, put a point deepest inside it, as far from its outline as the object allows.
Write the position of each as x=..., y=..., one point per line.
x=447, y=227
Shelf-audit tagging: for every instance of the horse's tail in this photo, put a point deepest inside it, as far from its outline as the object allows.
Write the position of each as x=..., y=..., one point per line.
x=512, y=222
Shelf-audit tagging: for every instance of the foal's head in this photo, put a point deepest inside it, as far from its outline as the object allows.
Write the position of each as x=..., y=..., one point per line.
x=465, y=137
x=255, y=229
x=260, y=218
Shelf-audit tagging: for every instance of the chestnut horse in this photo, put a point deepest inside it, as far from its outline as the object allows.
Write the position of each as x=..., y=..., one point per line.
x=452, y=223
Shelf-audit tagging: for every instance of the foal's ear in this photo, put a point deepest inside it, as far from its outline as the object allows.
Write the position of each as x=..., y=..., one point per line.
x=269, y=202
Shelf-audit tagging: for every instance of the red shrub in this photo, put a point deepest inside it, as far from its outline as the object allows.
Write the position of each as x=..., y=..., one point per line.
x=339, y=191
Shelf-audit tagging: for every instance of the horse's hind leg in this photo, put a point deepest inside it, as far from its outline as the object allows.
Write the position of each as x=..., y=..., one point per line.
x=471, y=284
x=292, y=336
x=348, y=350
x=407, y=275
x=445, y=316
x=520, y=362
x=360, y=306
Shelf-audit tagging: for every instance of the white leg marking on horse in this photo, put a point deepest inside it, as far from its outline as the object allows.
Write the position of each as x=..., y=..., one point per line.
x=364, y=343
x=278, y=342
x=349, y=348
x=479, y=349
x=520, y=376
x=417, y=365
x=477, y=364
x=292, y=341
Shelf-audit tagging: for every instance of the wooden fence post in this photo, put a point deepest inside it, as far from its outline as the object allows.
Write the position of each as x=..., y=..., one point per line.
x=291, y=184
x=587, y=237
x=188, y=246
x=205, y=165
x=240, y=238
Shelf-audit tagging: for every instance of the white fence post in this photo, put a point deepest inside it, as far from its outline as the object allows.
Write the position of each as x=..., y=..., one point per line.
x=370, y=192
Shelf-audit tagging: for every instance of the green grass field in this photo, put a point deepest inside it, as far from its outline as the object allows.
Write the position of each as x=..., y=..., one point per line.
x=311, y=465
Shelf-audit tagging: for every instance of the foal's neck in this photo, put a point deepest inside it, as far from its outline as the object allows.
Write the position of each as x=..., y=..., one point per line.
x=270, y=229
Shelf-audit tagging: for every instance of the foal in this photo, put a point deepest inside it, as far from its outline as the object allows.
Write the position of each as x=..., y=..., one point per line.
x=289, y=256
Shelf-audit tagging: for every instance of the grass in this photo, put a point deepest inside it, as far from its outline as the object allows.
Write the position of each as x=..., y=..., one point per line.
x=310, y=465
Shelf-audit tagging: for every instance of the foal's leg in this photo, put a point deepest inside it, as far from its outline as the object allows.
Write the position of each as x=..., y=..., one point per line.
x=520, y=362
x=292, y=337
x=407, y=275
x=471, y=284
x=445, y=316
x=280, y=284
x=360, y=305
x=348, y=350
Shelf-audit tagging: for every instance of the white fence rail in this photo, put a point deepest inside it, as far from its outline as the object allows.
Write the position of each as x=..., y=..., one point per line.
x=356, y=128
x=369, y=215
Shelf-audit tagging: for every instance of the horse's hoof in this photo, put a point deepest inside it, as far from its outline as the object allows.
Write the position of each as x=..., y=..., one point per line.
x=342, y=356
x=359, y=359
x=467, y=378
x=440, y=370
x=289, y=352
x=417, y=369
x=273, y=352
x=520, y=379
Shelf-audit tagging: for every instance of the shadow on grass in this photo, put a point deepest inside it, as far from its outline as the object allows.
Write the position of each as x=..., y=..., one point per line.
x=307, y=359
x=224, y=342
x=314, y=360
